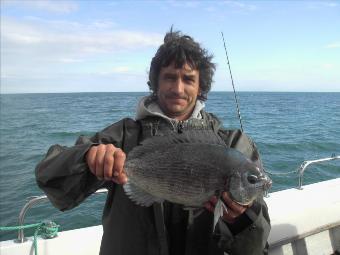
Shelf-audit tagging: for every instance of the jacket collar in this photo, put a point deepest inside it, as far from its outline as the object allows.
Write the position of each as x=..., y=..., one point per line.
x=147, y=107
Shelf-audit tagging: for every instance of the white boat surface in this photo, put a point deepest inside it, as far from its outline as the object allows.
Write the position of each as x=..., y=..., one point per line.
x=305, y=221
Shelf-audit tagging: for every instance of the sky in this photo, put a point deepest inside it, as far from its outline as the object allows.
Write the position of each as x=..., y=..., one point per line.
x=51, y=46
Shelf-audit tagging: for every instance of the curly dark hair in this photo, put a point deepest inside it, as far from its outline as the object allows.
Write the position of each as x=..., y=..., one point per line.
x=181, y=49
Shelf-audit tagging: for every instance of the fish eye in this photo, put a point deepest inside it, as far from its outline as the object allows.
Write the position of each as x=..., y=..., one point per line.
x=252, y=179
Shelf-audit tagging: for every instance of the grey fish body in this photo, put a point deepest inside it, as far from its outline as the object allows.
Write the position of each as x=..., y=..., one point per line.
x=181, y=173
x=185, y=171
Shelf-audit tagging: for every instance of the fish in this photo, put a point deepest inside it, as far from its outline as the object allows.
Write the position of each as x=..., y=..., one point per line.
x=190, y=169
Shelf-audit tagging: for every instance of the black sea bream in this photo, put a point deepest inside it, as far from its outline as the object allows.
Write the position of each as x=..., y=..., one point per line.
x=188, y=170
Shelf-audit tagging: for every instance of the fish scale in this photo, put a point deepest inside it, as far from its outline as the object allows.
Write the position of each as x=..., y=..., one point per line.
x=187, y=169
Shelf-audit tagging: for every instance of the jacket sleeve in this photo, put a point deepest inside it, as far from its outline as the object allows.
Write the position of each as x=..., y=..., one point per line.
x=249, y=234
x=64, y=174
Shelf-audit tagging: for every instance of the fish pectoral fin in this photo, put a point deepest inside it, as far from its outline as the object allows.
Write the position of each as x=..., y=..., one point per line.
x=139, y=196
x=218, y=212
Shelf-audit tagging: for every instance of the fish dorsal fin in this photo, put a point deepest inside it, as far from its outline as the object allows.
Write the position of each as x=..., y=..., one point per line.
x=139, y=196
x=192, y=136
x=167, y=141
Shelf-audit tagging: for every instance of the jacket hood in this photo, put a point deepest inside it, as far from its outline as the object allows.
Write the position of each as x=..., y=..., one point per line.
x=148, y=107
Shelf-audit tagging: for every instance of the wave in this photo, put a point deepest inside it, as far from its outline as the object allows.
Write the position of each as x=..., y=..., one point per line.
x=65, y=134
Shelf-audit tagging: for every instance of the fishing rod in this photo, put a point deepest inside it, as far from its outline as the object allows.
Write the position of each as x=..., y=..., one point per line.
x=232, y=82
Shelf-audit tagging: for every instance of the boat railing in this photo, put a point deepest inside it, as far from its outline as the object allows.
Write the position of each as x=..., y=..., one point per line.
x=39, y=199
x=307, y=163
x=32, y=202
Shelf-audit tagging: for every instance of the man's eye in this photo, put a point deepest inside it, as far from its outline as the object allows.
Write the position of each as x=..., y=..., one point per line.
x=189, y=80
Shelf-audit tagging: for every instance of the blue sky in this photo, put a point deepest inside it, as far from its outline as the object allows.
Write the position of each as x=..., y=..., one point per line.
x=83, y=46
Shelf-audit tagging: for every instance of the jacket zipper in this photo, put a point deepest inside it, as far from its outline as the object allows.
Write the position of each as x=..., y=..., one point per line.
x=180, y=126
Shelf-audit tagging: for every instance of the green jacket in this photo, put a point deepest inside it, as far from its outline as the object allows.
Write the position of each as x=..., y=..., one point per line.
x=162, y=228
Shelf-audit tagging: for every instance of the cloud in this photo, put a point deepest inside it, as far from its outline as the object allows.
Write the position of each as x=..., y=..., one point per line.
x=58, y=7
x=183, y=4
x=211, y=6
x=210, y=9
x=331, y=4
x=121, y=69
x=323, y=4
x=116, y=70
x=79, y=37
x=70, y=60
x=333, y=45
x=240, y=5
x=68, y=41
x=103, y=24
x=36, y=50
x=327, y=66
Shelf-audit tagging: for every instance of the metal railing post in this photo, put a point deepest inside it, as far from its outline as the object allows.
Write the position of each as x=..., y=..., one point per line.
x=34, y=201
x=307, y=163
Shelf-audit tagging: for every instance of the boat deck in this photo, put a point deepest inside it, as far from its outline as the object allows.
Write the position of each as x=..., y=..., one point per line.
x=305, y=221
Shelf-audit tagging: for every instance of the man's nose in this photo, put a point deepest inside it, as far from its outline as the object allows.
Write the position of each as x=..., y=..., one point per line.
x=178, y=86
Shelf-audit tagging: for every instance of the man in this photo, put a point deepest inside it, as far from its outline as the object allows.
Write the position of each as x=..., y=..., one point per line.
x=180, y=78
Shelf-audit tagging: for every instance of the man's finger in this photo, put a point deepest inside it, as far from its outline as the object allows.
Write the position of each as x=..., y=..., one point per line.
x=100, y=161
x=109, y=161
x=119, y=161
x=91, y=159
x=121, y=179
x=209, y=207
x=213, y=200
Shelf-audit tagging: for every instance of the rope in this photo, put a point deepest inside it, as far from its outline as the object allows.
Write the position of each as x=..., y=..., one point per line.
x=44, y=229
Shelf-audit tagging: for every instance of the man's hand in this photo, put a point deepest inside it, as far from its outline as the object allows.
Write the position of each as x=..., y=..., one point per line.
x=107, y=162
x=234, y=209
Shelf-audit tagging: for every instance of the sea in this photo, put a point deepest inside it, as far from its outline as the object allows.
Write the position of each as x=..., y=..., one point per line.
x=287, y=128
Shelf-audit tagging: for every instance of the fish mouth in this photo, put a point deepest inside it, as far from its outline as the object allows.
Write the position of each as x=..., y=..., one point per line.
x=268, y=184
x=262, y=182
x=246, y=204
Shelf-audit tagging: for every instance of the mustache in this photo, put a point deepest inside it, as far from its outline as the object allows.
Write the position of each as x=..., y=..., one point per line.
x=174, y=95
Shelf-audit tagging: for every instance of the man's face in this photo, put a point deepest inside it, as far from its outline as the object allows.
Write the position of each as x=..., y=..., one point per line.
x=178, y=90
